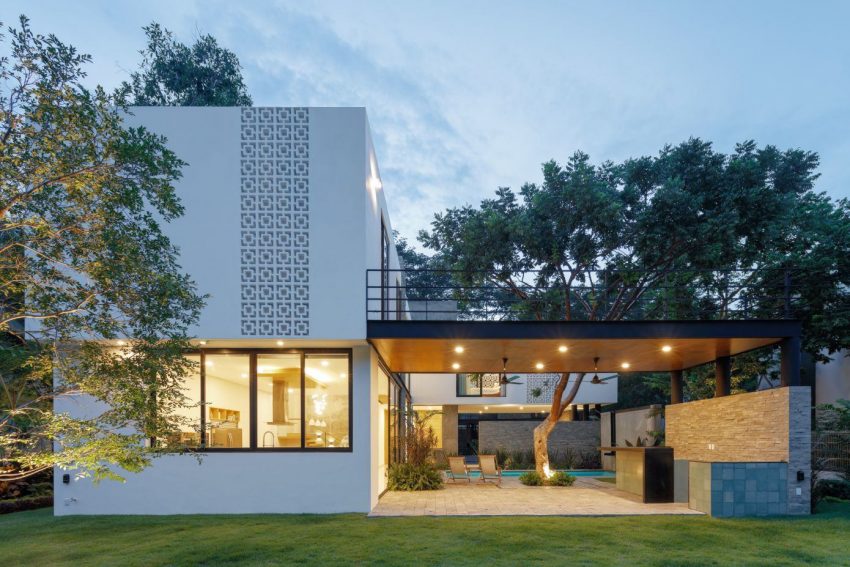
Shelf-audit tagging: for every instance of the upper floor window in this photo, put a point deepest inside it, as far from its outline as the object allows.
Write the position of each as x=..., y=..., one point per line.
x=480, y=385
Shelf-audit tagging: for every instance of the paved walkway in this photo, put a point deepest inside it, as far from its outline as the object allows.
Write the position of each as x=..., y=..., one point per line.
x=587, y=497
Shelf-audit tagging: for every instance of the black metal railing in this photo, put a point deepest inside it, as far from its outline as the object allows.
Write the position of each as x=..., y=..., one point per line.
x=586, y=296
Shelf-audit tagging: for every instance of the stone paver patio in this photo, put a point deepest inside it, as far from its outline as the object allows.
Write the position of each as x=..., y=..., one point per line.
x=587, y=497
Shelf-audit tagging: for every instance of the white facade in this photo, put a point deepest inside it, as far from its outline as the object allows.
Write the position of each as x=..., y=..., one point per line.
x=441, y=389
x=307, y=180
x=284, y=213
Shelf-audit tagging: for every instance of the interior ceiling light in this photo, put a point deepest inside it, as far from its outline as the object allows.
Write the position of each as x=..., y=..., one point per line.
x=202, y=343
x=279, y=343
x=562, y=348
x=486, y=407
x=625, y=365
x=666, y=348
x=455, y=365
x=459, y=349
x=539, y=366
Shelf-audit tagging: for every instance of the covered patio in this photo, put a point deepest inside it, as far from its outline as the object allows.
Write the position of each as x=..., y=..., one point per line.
x=587, y=497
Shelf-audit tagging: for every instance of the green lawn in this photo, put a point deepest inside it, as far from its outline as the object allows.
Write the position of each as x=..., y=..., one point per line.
x=36, y=538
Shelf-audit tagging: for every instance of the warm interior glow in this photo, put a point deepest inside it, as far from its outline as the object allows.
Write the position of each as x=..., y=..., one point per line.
x=666, y=348
x=562, y=348
x=625, y=365
x=459, y=349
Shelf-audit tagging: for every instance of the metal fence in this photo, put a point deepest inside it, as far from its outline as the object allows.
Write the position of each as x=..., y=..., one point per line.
x=831, y=450
x=587, y=295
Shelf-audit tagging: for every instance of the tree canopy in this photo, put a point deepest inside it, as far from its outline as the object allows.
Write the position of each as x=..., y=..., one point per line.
x=174, y=74
x=91, y=286
x=690, y=233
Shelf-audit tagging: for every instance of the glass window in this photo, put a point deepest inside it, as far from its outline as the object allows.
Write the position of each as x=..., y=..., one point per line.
x=480, y=384
x=326, y=411
x=189, y=430
x=278, y=400
x=228, y=407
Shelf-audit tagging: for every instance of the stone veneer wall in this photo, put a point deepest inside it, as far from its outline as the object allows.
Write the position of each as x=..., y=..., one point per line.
x=750, y=427
x=519, y=435
x=768, y=427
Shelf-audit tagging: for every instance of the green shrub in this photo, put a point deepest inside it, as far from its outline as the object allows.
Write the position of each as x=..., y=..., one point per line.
x=25, y=503
x=408, y=476
x=531, y=478
x=831, y=488
x=560, y=478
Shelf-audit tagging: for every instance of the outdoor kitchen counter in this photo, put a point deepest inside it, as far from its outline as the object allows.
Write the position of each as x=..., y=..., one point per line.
x=645, y=471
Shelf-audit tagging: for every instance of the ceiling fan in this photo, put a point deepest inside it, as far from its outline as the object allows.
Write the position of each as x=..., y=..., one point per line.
x=504, y=380
x=596, y=379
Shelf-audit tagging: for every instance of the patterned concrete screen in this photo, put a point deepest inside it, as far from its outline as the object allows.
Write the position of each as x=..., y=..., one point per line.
x=275, y=193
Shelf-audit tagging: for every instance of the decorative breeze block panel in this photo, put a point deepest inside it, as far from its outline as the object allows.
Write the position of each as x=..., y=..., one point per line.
x=275, y=222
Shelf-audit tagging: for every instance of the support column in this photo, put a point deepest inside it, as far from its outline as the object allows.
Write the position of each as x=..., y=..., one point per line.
x=586, y=412
x=676, y=387
x=790, y=361
x=573, y=412
x=722, y=376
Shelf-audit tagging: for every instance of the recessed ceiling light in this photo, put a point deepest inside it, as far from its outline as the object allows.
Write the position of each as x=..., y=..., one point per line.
x=486, y=407
x=539, y=366
x=202, y=343
x=479, y=411
x=455, y=366
x=666, y=348
x=122, y=343
x=325, y=363
x=459, y=349
x=521, y=407
x=625, y=365
x=279, y=343
x=562, y=348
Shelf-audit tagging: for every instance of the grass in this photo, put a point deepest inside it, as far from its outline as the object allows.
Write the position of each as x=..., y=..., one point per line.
x=37, y=538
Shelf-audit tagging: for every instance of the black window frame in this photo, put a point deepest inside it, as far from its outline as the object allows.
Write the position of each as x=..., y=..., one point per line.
x=252, y=354
x=502, y=388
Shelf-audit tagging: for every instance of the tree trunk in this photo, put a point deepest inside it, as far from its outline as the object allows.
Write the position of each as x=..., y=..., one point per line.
x=542, y=431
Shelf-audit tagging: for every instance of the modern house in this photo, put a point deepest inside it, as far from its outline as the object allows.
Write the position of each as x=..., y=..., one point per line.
x=310, y=349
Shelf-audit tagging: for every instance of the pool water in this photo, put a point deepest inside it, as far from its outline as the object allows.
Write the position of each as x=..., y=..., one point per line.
x=594, y=473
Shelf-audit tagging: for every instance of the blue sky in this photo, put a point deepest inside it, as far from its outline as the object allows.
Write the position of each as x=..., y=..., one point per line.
x=466, y=97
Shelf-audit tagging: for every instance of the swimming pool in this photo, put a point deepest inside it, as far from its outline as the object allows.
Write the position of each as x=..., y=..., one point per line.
x=594, y=473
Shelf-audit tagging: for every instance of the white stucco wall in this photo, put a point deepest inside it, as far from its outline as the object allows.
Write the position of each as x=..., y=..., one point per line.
x=241, y=482
x=345, y=210
x=441, y=389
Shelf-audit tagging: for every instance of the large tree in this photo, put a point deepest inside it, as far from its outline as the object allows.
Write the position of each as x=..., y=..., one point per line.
x=91, y=289
x=175, y=74
x=645, y=238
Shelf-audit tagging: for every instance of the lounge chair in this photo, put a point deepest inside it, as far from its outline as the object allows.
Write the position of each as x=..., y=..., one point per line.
x=489, y=469
x=458, y=469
